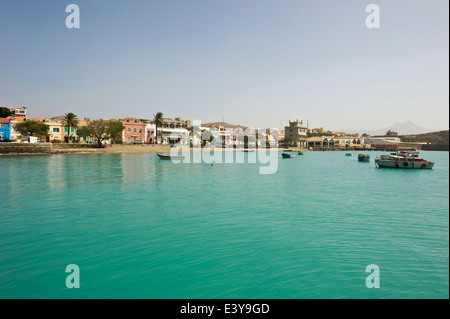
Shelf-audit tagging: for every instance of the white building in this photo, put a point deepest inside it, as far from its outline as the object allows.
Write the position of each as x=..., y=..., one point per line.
x=150, y=132
x=173, y=132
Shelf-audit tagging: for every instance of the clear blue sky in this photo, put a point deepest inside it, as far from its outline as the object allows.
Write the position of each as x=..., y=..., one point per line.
x=251, y=62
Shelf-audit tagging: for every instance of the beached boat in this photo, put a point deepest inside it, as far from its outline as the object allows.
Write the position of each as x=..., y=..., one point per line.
x=363, y=157
x=285, y=155
x=170, y=157
x=287, y=150
x=246, y=150
x=403, y=159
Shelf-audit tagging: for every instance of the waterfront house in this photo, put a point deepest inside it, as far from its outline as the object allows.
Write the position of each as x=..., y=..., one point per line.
x=296, y=134
x=199, y=134
x=134, y=132
x=73, y=132
x=281, y=136
x=14, y=135
x=173, y=131
x=321, y=143
x=228, y=135
x=5, y=129
x=150, y=132
x=349, y=141
x=222, y=136
x=55, y=129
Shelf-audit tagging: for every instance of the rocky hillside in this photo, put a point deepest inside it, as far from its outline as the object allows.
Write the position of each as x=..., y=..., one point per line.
x=435, y=140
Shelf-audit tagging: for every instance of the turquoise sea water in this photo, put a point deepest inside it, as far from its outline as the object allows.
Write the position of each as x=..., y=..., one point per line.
x=140, y=227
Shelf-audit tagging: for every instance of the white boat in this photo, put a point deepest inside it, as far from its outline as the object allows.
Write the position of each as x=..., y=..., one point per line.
x=403, y=159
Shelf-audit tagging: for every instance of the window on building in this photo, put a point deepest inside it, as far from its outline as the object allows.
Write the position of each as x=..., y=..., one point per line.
x=2, y=125
x=55, y=130
x=140, y=130
x=134, y=130
x=129, y=130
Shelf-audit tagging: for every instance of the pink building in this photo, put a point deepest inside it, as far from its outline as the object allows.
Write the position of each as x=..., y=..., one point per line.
x=134, y=132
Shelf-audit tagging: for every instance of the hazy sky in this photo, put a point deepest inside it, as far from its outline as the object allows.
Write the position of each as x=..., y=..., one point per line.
x=252, y=62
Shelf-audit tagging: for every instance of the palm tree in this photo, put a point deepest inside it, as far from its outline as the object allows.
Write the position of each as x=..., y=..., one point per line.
x=71, y=121
x=158, y=119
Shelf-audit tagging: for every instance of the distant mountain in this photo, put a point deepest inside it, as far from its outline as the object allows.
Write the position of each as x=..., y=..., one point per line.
x=407, y=128
x=402, y=128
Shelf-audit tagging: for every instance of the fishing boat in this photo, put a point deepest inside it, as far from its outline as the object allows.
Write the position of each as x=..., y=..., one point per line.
x=300, y=153
x=403, y=159
x=170, y=157
x=348, y=154
x=363, y=157
x=285, y=155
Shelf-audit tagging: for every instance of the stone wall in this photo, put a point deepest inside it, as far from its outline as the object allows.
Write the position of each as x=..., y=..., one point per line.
x=62, y=146
x=25, y=148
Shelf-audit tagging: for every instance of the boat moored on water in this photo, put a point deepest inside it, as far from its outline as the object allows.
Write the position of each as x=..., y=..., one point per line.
x=363, y=157
x=403, y=159
x=170, y=157
x=286, y=155
x=348, y=154
x=300, y=152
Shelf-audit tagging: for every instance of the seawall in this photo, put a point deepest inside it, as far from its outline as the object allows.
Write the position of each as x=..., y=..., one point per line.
x=435, y=147
x=25, y=148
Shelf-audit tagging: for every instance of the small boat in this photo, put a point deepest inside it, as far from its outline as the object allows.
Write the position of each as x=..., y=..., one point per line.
x=300, y=153
x=348, y=154
x=285, y=155
x=287, y=150
x=246, y=150
x=403, y=159
x=170, y=157
x=363, y=157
